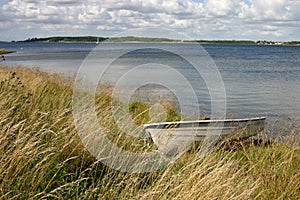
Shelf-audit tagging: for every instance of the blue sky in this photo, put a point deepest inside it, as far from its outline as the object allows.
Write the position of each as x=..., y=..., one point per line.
x=277, y=20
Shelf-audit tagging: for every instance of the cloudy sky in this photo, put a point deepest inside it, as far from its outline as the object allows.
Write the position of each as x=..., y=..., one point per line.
x=277, y=20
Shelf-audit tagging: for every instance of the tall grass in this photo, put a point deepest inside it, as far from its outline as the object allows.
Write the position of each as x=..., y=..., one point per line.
x=42, y=156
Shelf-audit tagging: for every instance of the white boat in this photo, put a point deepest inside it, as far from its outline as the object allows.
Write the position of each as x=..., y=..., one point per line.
x=171, y=138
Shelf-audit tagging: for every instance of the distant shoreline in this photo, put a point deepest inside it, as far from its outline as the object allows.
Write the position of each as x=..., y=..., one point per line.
x=130, y=39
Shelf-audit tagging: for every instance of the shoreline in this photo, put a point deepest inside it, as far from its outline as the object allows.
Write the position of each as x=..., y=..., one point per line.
x=4, y=51
x=42, y=151
x=133, y=39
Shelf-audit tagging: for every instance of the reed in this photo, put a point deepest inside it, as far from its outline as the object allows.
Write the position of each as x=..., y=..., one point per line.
x=42, y=156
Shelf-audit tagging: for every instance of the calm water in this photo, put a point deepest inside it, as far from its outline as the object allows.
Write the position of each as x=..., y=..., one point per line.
x=259, y=80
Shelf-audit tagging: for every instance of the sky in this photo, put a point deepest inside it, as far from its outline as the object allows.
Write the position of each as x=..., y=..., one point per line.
x=277, y=20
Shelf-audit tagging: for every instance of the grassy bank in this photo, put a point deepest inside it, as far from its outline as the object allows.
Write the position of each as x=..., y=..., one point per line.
x=43, y=157
x=4, y=51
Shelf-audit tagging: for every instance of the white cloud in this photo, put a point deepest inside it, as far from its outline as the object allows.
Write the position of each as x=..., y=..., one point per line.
x=222, y=7
x=293, y=7
x=267, y=10
x=208, y=19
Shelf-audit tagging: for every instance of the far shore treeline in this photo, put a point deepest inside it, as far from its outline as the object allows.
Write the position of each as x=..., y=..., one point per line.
x=66, y=39
x=94, y=39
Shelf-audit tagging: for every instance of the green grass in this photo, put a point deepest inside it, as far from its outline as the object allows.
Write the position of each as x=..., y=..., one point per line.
x=4, y=51
x=42, y=156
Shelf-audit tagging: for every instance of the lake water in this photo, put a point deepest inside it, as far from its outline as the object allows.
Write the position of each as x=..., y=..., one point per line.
x=258, y=80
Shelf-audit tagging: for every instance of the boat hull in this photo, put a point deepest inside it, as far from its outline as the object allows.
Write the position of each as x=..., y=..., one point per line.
x=171, y=138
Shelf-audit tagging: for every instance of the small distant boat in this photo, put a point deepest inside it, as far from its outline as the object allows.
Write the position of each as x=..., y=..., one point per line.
x=173, y=137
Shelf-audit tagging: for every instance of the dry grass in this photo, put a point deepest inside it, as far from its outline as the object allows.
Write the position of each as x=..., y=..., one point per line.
x=43, y=158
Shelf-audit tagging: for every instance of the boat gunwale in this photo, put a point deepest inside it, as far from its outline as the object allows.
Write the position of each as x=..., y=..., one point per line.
x=178, y=124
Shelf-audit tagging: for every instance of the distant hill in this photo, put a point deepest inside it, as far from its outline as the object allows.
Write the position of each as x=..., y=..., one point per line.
x=141, y=39
x=97, y=39
x=66, y=39
x=226, y=41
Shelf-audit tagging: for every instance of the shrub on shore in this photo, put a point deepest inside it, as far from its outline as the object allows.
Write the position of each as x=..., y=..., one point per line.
x=42, y=156
x=4, y=51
